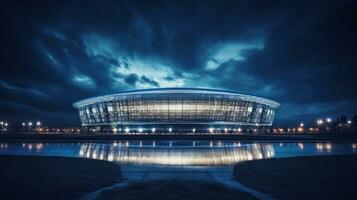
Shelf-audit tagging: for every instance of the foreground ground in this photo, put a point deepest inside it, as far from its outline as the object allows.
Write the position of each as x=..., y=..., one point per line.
x=324, y=177
x=176, y=190
x=320, y=177
x=31, y=177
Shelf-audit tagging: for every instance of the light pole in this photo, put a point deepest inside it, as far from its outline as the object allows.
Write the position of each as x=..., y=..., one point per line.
x=301, y=128
x=38, y=125
x=349, y=122
x=6, y=124
x=328, y=120
x=30, y=125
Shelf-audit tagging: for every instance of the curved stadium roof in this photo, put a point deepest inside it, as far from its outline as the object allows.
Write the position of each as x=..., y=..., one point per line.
x=219, y=93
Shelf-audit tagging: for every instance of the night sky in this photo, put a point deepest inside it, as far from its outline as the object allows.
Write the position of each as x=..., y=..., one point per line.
x=301, y=54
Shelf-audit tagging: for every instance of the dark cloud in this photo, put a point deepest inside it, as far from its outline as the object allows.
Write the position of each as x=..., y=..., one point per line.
x=298, y=53
x=132, y=79
x=149, y=81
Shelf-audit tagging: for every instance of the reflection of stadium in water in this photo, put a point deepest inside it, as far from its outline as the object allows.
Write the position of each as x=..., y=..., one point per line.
x=177, y=155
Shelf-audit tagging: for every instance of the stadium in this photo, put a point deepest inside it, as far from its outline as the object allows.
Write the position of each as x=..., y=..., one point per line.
x=176, y=110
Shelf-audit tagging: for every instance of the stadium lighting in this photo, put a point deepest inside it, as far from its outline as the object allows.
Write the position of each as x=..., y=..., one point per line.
x=127, y=130
x=210, y=130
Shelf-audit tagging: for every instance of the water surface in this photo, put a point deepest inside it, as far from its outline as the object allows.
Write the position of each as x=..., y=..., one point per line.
x=182, y=153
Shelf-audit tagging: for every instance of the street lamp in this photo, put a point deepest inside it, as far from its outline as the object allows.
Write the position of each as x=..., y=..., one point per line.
x=2, y=126
x=30, y=125
x=301, y=124
x=349, y=122
x=328, y=120
x=38, y=124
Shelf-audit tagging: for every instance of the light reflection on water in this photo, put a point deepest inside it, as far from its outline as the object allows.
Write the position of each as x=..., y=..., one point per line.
x=179, y=155
x=205, y=153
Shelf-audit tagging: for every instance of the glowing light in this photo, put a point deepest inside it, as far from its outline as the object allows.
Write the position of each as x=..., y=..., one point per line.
x=140, y=130
x=239, y=130
x=349, y=122
x=30, y=123
x=328, y=120
x=301, y=145
x=153, y=130
x=38, y=123
x=193, y=130
x=210, y=130
x=127, y=130
x=302, y=124
x=170, y=130
x=225, y=130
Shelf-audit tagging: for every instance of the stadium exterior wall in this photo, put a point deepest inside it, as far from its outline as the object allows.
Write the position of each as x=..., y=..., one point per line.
x=176, y=109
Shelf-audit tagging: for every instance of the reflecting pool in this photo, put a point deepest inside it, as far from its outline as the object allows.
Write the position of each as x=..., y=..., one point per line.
x=183, y=153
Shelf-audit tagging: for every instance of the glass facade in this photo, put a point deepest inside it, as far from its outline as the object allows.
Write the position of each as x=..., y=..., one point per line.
x=176, y=108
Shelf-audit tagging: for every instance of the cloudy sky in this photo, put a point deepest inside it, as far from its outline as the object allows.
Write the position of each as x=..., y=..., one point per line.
x=53, y=53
